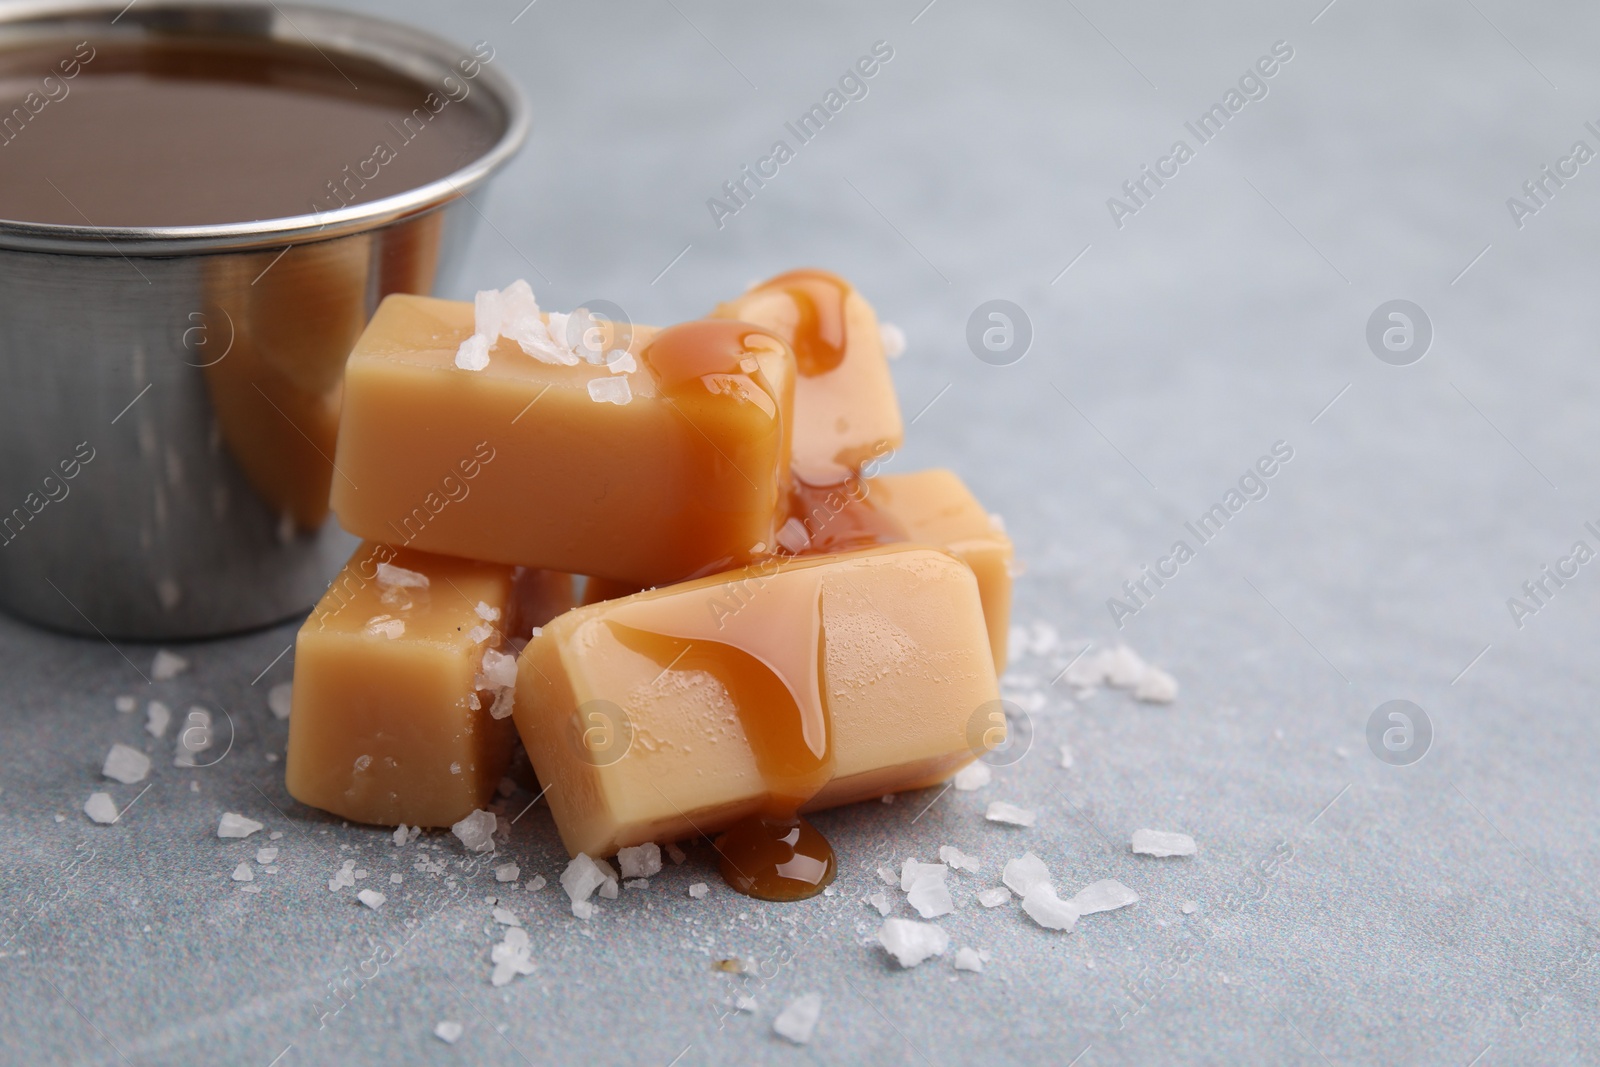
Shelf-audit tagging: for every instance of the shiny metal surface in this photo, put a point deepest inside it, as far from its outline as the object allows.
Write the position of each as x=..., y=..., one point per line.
x=168, y=397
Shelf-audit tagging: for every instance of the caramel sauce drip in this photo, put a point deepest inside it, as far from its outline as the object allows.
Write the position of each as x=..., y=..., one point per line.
x=841, y=517
x=821, y=337
x=767, y=654
x=712, y=356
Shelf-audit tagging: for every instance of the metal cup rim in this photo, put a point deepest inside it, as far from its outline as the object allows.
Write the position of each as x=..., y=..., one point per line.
x=375, y=39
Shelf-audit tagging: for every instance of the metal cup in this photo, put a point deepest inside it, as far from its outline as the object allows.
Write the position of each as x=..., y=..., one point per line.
x=169, y=396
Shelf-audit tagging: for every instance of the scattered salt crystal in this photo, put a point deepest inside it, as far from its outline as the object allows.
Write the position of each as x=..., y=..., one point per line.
x=1123, y=667
x=1000, y=811
x=275, y=835
x=232, y=824
x=888, y=876
x=535, y=883
x=486, y=612
x=744, y=1003
x=473, y=353
x=792, y=536
x=1188, y=907
x=583, y=909
x=400, y=578
x=396, y=878
x=967, y=959
x=1025, y=872
x=503, y=699
x=894, y=340
x=371, y=898
x=480, y=633
x=126, y=704
x=343, y=877
x=880, y=900
x=957, y=859
x=699, y=890
x=910, y=942
x=1162, y=843
x=499, y=668
x=98, y=807
x=505, y=918
x=156, y=717
x=1156, y=687
x=243, y=873
x=448, y=1032
x=643, y=883
x=911, y=870
x=266, y=854
x=1049, y=910
x=1107, y=894
x=507, y=872
x=930, y=896
x=640, y=861
x=126, y=765
x=512, y=955
x=476, y=831
x=675, y=854
x=993, y=898
x=167, y=665
x=583, y=875
x=487, y=319
x=399, y=835
x=621, y=361
x=610, y=390
x=1066, y=756
x=974, y=775
x=799, y=1018
x=386, y=625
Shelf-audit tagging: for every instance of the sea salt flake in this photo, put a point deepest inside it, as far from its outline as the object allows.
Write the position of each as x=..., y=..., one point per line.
x=125, y=704
x=400, y=578
x=957, y=859
x=372, y=898
x=1001, y=811
x=676, y=854
x=1156, y=687
x=480, y=633
x=1123, y=667
x=583, y=909
x=637, y=883
x=910, y=942
x=447, y=1031
x=1162, y=843
x=343, y=878
x=167, y=665
x=744, y=1003
x=536, y=883
x=386, y=625
x=266, y=854
x=232, y=824
x=1066, y=757
x=974, y=775
x=476, y=831
x=798, y=1020
x=157, y=716
x=880, y=900
x=505, y=918
x=499, y=668
x=1025, y=872
x=993, y=898
x=967, y=959
x=583, y=875
x=100, y=808
x=621, y=361
x=243, y=873
x=640, y=861
x=486, y=612
x=125, y=764
x=507, y=872
x=395, y=879
x=1049, y=910
x=473, y=353
x=894, y=340
x=1107, y=894
x=888, y=876
x=280, y=698
x=399, y=836
x=1188, y=907
x=699, y=890
x=911, y=870
x=930, y=897
x=610, y=390
x=504, y=697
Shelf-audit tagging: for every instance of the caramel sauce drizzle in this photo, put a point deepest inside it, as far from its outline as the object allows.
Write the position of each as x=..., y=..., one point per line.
x=821, y=338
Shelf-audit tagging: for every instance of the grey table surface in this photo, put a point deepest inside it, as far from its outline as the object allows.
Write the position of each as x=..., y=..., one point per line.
x=1349, y=911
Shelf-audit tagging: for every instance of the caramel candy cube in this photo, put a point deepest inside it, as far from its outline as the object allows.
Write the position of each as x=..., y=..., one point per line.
x=537, y=463
x=790, y=685
x=845, y=411
x=397, y=674
x=934, y=507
